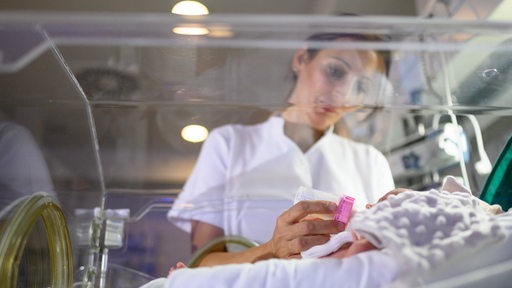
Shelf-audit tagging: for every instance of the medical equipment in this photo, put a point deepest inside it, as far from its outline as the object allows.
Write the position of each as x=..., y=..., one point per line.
x=106, y=96
x=499, y=184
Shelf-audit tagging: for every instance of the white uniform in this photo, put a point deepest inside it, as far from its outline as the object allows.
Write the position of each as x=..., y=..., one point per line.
x=23, y=169
x=246, y=176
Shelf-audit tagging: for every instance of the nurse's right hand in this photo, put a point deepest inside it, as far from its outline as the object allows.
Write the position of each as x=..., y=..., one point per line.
x=294, y=234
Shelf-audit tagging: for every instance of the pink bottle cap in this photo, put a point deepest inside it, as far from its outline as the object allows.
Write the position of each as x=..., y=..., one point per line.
x=344, y=209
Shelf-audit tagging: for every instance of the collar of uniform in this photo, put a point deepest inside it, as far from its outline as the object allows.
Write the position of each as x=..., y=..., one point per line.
x=276, y=121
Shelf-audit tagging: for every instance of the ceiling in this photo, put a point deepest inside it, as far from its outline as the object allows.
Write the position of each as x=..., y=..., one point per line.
x=455, y=9
x=159, y=165
x=365, y=7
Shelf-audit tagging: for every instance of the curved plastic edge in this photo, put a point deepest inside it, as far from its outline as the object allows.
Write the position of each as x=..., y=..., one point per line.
x=16, y=229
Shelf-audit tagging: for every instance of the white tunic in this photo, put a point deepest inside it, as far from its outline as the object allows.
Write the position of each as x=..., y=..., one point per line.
x=23, y=170
x=246, y=176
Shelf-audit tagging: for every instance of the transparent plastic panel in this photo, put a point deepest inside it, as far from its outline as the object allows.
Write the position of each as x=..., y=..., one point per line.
x=35, y=243
x=105, y=100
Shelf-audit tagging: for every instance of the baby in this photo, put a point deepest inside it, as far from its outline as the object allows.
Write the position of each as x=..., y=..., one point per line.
x=430, y=204
x=411, y=231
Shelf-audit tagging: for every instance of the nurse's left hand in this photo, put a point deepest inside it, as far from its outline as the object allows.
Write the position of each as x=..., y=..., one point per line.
x=293, y=234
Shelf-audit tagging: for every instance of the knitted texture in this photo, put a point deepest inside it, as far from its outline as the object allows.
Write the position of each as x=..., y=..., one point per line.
x=425, y=228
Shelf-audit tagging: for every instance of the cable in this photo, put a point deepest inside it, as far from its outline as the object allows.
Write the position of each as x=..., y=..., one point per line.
x=483, y=166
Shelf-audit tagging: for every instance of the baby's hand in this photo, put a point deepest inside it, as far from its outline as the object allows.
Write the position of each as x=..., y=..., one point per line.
x=395, y=191
x=178, y=265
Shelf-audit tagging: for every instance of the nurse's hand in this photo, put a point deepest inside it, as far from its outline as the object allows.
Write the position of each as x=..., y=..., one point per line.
x=294, y=234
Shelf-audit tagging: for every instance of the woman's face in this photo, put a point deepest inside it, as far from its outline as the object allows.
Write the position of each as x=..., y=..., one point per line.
x=330, y=82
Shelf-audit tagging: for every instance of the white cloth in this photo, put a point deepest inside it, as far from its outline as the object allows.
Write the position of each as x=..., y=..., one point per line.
x=450, y=184
x=156, y=283
x=23, y=169
x=334, y=243
x=370, y=269
x=246, y=176
x=427, y=228
x=487, y=267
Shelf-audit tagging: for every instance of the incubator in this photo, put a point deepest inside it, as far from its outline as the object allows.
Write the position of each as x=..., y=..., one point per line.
x=105, y=98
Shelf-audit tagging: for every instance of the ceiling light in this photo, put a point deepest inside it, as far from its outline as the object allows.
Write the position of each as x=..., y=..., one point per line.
x=191, y=8
x=194, y=133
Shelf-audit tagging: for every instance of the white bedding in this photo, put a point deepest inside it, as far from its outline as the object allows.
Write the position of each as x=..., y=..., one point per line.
x=356, y=271
x=487, y=267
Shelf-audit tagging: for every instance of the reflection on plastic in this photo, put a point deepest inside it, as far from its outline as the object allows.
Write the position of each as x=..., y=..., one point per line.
x=115, y=226
x=310, y=194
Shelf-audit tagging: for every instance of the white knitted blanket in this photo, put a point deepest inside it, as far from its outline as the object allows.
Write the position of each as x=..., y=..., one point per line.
x=421, y=221
x=425, y=228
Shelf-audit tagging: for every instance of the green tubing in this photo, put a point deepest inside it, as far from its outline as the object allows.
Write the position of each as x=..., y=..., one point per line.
x=15, y=230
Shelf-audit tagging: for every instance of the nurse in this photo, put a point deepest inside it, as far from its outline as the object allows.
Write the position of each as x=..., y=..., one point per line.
x=23, y=169
x=246, y=177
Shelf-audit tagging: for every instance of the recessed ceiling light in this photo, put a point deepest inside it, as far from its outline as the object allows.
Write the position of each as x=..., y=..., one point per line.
x=191, y=8
x=194, y=133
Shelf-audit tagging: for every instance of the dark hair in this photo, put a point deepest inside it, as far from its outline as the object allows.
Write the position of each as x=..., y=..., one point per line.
x=328, y=37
